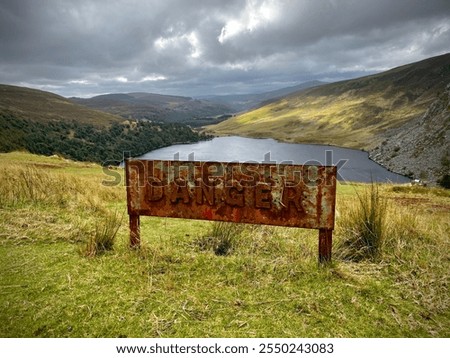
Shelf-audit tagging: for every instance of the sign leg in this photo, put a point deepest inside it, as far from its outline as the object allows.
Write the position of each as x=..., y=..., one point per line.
x=135, y=231
x=325, y=243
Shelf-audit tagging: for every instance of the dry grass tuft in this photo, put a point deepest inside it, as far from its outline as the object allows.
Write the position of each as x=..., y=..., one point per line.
x=364, y=226
x=222, y=239
x=104, y=235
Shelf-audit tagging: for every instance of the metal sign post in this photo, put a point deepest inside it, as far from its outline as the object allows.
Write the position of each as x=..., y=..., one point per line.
x=301, y=196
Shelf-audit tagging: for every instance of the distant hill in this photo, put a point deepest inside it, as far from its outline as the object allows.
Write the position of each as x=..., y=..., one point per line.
x=42, y=106
x=244, y=102
x=45, y=123
x=356, y=113
x=151, y=106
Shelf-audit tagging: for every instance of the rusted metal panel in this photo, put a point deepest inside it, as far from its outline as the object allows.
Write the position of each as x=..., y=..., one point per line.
x=271, y=194
x=284, y=195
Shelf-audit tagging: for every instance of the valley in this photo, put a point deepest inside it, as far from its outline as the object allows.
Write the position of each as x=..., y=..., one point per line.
x=400, y=116
x=364, y=113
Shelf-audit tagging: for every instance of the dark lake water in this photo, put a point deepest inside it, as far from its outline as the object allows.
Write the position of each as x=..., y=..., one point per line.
x=353, y=165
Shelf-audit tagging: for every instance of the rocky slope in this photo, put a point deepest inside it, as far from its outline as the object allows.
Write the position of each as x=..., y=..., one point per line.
x=420, y=148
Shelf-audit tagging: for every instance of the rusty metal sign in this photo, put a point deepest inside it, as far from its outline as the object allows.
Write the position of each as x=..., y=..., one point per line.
x=284, y=195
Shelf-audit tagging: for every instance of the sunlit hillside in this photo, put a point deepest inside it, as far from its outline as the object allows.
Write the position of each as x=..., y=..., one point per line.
x=41, y=106
x=356, y=113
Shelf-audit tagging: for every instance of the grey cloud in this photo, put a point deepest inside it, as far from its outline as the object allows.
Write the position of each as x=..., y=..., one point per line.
x=309, y=22
x=195, y=47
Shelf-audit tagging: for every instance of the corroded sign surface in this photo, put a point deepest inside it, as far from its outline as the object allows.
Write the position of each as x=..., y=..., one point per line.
x=284, y=195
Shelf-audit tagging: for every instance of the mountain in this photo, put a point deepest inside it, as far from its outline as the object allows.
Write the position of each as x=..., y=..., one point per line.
x=42, y=106
x=358, y=113
x=244, y=102
x=151, y=106
x=45, y=123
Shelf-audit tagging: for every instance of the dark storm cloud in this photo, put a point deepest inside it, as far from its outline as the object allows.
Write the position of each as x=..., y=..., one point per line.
x=194, y=47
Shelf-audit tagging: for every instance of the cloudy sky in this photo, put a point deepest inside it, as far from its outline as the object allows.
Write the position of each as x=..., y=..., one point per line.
x=194, y=47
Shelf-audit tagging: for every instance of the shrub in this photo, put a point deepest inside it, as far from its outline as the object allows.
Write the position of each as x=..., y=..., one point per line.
x=444, y=181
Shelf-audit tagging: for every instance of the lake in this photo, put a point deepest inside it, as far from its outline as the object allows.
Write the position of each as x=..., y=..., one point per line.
x=353, y=165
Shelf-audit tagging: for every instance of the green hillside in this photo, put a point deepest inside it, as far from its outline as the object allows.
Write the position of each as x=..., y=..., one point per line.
x=355, y=113
x=151, y=106
x=41, y=106
x=45, y=123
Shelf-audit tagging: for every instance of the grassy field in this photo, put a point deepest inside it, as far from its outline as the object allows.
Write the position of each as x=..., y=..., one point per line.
x=54, y=281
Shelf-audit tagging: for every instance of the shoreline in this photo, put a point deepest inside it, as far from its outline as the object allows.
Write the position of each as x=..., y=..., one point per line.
x=214, y=135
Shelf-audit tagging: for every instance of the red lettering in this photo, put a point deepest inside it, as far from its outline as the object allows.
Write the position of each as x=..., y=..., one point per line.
x=234, y=194
x=179, y=190
x=204, y=191
x=292, y=195
x=263, y=197
x=154, y=190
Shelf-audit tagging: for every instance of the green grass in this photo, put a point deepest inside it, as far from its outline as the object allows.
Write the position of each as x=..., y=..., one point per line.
x=266, y=284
